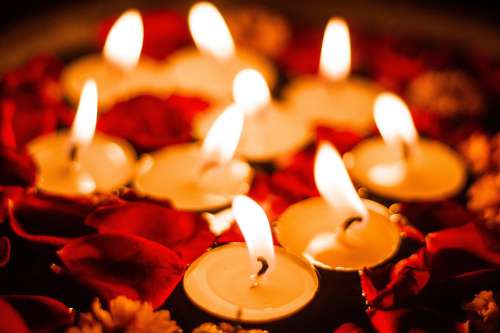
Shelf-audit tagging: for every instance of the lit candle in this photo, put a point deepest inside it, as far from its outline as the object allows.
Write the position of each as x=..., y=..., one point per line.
x=209, y=69
x=403, y=166
x=199, y=177
x=333, y=98
x=270, y=129
x=256, y=282
x=337, y=230
x=79, y=161
x=117, y=71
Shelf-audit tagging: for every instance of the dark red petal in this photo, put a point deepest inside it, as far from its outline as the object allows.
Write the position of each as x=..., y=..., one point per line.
x=150, y=122
x=184, y=232
x=117, y=264
x=348, y=328
x=4, y=251
x=343, y=140
x=10, y=320
x=16, y=168
x=41, y=314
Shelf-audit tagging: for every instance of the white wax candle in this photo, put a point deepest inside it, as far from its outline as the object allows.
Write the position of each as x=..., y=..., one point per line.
x=433, y=172
x=104, y=165
x=345, y=104
x=268, y=134
x=311, y=228
x=177, y=173
x=220, y=283
x=193, y=72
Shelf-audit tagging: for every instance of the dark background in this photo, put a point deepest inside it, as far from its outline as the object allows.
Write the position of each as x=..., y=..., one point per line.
x=12, y=11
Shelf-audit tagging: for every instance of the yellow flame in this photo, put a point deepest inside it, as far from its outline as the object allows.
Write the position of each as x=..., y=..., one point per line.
x=394, y=121
x=256, y=230
x=250, y=91
x=124, y=42
x=334, y=184
x=223, y=137
x=210, y=32
x=335, y=60
x=83, y=128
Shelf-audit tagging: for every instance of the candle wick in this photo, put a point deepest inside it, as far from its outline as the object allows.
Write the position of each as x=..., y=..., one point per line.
x=74, y=152
x=347, y=223
x=406, y=151
x=263, y=269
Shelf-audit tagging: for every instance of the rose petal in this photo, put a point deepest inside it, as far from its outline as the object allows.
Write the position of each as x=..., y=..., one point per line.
x=16, y=168
x=41, y=314
x=4, y=251
x=184, y=232
x=348, y=328
x=10, y=320
x=117, y=264
x=150, y=122
x=50, y=219
x=164, y=32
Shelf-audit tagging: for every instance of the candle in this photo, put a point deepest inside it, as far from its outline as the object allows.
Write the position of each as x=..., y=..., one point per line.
x=254, y=283
x=270, y=129
x=403, y=166
x=79, y=161
x=209, y=69
x=332, y=98
x=118, y=71
x=195, y=177
x=337, y=230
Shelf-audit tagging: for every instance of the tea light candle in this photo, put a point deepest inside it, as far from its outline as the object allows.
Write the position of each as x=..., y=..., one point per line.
x=337, y=230
x=332, y=98
x=402, y=166
x=199, y=178
x=254, y=283
x=270, y=129
x=118, y=71
x=209, y=69
x=78, y=162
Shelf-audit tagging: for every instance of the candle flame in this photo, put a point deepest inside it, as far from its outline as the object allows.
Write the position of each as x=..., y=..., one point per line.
x=124, y=42
x=335, y=59
x=250, y=91
x=85, y=120
x=210, y=32
x=256, y=230
x=394, y=121
x=334, y=184
x=223, y=137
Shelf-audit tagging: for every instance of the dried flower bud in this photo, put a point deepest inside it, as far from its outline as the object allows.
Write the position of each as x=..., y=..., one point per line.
x=483, y=312
x=482, y=153
x=446, y=93
x=484, y=199
x=259, y=29
x=125, y=315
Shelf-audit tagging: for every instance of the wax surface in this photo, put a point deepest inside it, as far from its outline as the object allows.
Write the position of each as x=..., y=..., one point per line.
x=435, y=172
x=347, y=104
x=365, y=244
x=270, y=133
x=193, y=72
x=174, y=173
x=113, y=83
x=108, y=161
x=219, y=282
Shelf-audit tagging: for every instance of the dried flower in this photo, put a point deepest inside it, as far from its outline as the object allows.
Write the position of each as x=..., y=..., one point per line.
x=483, y=312
x=259, y=29
x=125, y=315
x=484, y=199
x=224, y=328
x=446, y=93
x=482, y=152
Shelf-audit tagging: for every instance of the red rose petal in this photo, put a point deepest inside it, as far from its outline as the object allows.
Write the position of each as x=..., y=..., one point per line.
x=16, y=168
x=41, y=314
x=348, y=328
x=184, y=232
x=150, y=122
x=10, y=320
x=116, y=264
x=4, y=251
x=164, y=32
